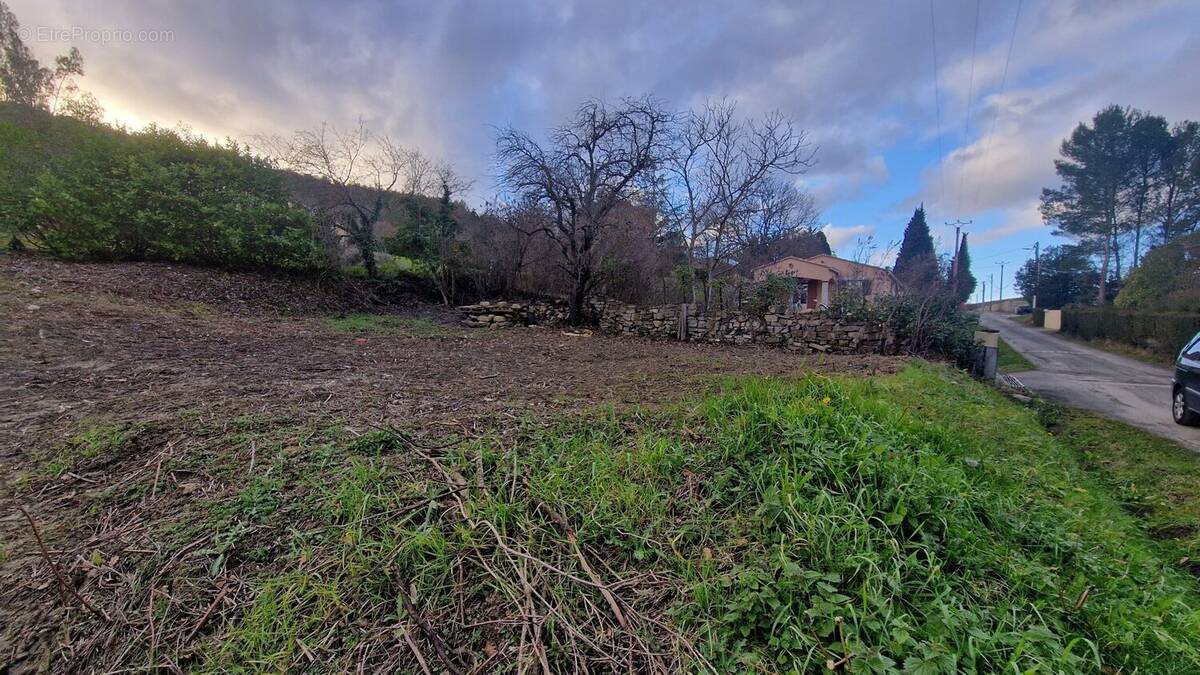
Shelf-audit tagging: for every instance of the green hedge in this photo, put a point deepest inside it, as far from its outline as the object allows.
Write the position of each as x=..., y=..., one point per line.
x=1161, y=333
x=1039, y=317
x=88, y=192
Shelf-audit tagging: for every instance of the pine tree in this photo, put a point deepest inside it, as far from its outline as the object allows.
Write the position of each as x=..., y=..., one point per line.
x=916, y=264
x=964, y=281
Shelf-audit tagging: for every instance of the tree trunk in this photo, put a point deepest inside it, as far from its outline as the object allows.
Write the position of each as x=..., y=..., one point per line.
x=708, y=286
x=691, y=274
x=368, y=258
x=578, y=299
x=1137, y=244
x=1101, y=294
x=362, y=233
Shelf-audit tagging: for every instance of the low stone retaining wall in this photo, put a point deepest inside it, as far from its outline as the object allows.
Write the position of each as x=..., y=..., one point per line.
x=499, y=313
x=801, y=332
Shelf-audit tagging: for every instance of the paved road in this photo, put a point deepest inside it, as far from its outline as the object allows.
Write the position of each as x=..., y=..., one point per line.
x=1114, y=386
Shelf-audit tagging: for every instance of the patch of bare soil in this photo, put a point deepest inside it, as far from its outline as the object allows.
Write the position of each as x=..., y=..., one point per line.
x=129, y=394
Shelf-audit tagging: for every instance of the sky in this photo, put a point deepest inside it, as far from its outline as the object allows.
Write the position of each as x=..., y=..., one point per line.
x=954, y=104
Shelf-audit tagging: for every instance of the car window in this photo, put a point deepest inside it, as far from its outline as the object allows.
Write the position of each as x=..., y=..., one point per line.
x=1192, y=351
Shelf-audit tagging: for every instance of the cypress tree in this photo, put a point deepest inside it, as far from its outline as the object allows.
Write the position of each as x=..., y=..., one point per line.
x=916, y=264
x=964, y=282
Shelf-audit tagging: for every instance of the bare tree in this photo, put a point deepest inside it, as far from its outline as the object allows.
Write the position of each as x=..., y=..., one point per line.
x=367, y=171
x=592, y=164
x=777, y=211
x=718, y=170
x=504, y=246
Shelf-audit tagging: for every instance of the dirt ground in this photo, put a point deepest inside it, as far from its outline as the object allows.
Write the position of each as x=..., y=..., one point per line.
x=187, y=365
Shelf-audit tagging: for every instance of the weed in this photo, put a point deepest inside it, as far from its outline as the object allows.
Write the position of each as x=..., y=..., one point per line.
x=94, y=442
x=101, y=439
x=917, y=523
x=228, y=536
x=259, y=499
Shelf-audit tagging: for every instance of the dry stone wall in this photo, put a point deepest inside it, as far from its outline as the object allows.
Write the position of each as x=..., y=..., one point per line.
x=796, y=331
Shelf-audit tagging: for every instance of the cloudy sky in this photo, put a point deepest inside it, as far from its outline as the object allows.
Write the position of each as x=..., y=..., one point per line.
x=973, y=138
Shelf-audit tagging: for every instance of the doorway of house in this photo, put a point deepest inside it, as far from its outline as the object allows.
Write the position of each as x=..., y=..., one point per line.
x=799, y=297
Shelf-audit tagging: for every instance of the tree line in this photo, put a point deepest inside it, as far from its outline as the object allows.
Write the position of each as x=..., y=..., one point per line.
x=1130, y=182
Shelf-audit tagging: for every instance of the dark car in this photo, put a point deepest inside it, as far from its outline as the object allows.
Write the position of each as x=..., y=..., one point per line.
x=1185, y=392
x=1024, y=309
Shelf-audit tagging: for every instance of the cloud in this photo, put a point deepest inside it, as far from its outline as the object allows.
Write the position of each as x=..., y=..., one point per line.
x=442, y=76
x=1062, y=71
x=837, y=236
x=1024, y=218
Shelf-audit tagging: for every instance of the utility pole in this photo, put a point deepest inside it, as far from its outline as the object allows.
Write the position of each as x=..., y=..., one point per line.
x=954, y=264
x=1002, y=279
x=992, y=285
x=1037, y=269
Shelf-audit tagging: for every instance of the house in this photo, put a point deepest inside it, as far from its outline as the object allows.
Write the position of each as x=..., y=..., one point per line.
x=820, y=276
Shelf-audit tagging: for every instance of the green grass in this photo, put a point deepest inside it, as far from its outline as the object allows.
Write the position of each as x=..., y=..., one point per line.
x=1127, y=350
x=387, y=324
x=387, y=266
x=917, y=523
x=1010, y=360
x=96, y=440
x=1154, y=479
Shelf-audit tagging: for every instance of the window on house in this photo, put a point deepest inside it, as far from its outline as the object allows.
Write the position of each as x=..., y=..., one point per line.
x=860, y=286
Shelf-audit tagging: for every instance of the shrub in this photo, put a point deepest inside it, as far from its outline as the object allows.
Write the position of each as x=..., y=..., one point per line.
x=1168, y=278
x=774, y=290
x=1162, y=333
x=1039, y=317
x=101, y=194
x=924, y=325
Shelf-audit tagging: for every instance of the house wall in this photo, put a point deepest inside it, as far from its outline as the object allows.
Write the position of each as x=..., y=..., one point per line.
x=793, y=267
x=882, y=281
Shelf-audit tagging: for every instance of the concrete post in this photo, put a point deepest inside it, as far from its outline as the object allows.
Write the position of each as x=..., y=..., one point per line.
x=1052, y=320
x=824, y=295
x=683, y=322
x=989, y=340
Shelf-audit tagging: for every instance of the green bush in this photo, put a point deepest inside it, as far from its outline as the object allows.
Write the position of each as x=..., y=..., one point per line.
x=1039, y=317
x=774, y=290
x=1168, y=279
x=84, y=192
x=1161, y=333
x=930, y=325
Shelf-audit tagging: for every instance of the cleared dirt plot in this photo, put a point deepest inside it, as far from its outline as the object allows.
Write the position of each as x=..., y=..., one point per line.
x=149, y=416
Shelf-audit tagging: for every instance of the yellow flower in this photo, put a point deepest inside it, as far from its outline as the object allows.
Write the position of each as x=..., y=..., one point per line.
x=826, y=401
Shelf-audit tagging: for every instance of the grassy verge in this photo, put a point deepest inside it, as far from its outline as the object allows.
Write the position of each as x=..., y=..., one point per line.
x=1010, y=360
x=1154, y=479
x=1121, y=349
x=918, y=523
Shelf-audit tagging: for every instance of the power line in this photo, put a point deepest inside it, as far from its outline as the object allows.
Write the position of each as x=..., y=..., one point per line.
x=937, y=103
x=970, y=99
x=997, y=255
x=1012, y=38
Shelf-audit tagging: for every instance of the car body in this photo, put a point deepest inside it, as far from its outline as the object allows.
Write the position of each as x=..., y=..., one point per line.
x=1185, y=388
x=1024, y=309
